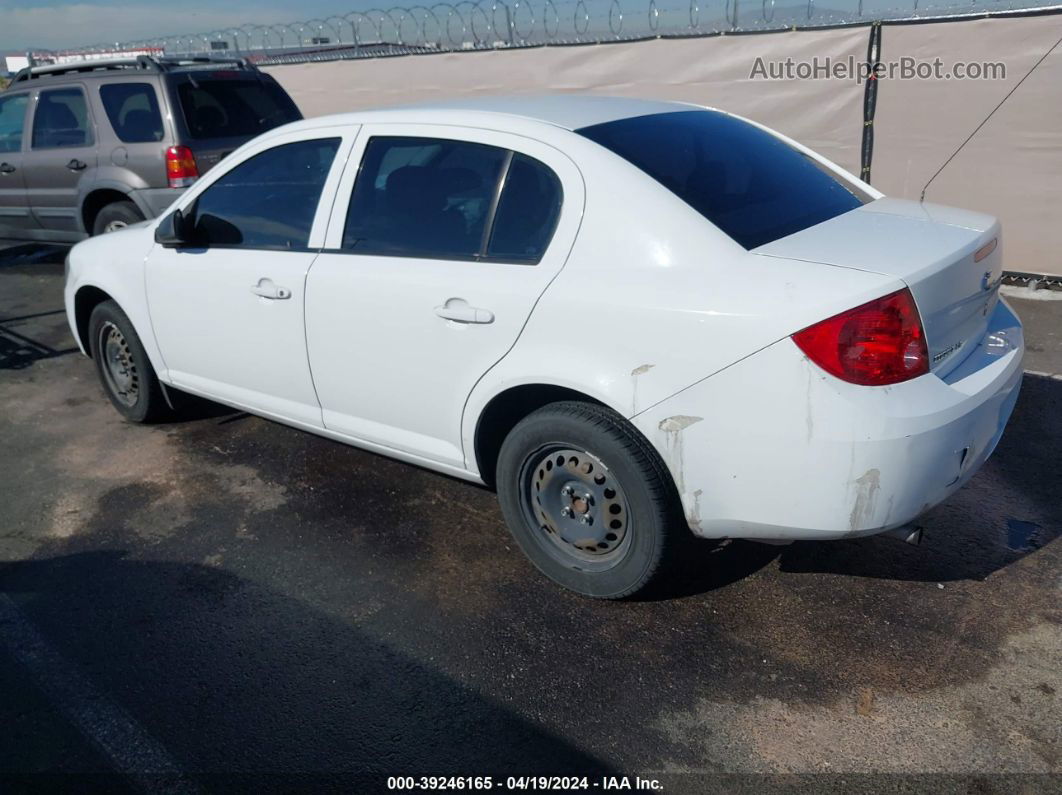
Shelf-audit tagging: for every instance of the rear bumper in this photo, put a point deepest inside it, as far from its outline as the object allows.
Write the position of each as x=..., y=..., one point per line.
x=775, y=448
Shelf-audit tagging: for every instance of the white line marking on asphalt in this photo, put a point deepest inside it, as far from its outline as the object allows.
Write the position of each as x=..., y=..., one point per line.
x=130, y=749
x=1055, y=376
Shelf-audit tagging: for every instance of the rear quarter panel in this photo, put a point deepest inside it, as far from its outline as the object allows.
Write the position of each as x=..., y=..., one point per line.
x=654, y=298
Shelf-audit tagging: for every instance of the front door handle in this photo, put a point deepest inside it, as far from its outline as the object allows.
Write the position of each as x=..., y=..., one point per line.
x=458, y=310
x=77, y=165
x=7, y=168
x=266, y=289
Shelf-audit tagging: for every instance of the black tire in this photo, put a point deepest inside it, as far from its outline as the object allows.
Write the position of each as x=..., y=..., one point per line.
x=116, y=215
x=110, y=333
x=655, y=528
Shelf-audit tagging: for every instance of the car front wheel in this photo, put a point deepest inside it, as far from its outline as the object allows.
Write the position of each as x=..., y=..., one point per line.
x=589, y=501
x=123, y=367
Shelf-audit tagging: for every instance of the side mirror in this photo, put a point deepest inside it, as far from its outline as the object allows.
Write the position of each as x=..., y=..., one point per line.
x=172, y=230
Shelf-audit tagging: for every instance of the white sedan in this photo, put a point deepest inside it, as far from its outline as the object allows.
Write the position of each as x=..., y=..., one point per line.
x=636, y=320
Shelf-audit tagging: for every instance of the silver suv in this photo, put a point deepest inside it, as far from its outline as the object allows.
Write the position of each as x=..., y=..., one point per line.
x=91, y=147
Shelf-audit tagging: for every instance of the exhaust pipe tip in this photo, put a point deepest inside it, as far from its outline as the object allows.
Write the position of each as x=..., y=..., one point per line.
x=909, y=534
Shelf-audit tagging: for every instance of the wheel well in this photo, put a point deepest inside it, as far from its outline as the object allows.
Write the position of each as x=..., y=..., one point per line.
x=96, y=201
x=87, y=299
x=508, y=408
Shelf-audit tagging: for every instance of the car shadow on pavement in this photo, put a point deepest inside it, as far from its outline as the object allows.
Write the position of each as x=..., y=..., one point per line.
x=31, y=253
x=247, y=688
x=1010, y=509
x=18, y=349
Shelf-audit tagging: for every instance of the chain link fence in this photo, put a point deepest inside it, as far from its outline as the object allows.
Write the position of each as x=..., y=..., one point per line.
x=499, y=24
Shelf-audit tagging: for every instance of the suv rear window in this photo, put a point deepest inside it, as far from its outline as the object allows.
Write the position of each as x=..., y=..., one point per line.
x=753, y=186
x=228, y=108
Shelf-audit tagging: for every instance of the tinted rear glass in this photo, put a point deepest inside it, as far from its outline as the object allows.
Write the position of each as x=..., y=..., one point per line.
x=133, y=112
x=422, y=197
x=230, y=108
x=753, y=186
x=527, y=213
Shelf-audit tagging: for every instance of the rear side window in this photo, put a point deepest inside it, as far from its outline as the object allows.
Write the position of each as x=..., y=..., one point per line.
x=423, y=197
x=753, y=186
x=12, y=119
x=229, y=108
x=527, y=212
x=268, y=201
x=133, y=111
x=61, y=119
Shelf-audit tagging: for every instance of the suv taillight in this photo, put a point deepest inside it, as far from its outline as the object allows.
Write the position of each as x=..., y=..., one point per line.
x=876, y=344
x=181, y=170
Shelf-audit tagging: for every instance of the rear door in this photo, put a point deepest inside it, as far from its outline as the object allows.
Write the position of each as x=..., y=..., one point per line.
x=15, y=215
x=62, y=152
x=227, y=309
x=441, y=241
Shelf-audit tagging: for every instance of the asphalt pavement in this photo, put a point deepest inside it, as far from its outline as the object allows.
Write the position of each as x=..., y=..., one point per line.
x=224, y=603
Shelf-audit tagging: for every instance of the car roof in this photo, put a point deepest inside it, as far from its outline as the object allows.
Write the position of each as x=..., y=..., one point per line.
x=567, y=111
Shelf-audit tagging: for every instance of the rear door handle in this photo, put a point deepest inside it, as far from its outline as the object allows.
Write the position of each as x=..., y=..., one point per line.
x=76, y=165
x=7, y=168
x=457, y=310
x=266, y=289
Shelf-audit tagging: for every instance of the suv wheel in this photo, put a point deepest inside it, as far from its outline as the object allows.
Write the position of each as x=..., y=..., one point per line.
x=115, y=216
x=588, y=500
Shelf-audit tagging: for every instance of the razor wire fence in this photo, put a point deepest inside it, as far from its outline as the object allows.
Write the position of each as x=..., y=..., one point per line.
x=499, y=24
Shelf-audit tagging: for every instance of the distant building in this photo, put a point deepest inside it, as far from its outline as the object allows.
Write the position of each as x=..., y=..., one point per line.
x=12, y=62
x=41, y=57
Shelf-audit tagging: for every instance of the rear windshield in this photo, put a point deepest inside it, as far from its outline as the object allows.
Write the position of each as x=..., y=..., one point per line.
x=750, y=184
x=229, y=108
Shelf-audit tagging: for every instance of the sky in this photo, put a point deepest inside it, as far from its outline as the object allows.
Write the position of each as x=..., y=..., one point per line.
x=56, y=24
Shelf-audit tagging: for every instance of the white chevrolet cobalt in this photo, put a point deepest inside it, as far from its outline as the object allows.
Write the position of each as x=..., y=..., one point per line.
x=636, y=320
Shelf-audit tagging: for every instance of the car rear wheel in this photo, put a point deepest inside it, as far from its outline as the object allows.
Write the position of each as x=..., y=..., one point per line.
x=115, y=216
x=589, y=501
x=123, y=367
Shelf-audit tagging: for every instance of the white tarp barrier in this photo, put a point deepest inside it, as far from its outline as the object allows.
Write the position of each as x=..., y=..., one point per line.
x=1012, y=168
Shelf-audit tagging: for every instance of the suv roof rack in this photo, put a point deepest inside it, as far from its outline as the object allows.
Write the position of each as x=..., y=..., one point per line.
x=145, y=62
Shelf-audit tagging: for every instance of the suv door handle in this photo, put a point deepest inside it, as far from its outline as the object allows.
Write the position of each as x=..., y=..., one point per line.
x=7, y=168
x=457, y=310
x=266, y=289
x=76, y=165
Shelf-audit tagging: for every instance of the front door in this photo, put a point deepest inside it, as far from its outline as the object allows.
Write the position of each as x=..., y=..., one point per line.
x=15, y=215
x=228, y=309
x=438, y=249
x=62, y=150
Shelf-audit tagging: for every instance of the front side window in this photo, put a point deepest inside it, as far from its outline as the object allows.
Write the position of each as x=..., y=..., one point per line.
x=61, y=119
x=12, y=119
x=133, y=111
x=753, y=186
x=268, y=201
x=224, y=107
x=423, y=197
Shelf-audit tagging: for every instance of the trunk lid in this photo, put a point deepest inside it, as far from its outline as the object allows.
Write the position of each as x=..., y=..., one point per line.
x=932, y=248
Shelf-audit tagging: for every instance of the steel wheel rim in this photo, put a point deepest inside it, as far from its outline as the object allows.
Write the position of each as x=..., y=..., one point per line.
x=576, y=507
x=119, y=368
x=114, y=226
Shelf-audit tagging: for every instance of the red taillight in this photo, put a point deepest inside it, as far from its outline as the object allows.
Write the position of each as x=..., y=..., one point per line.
x=875, y=344
x=181, y=169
